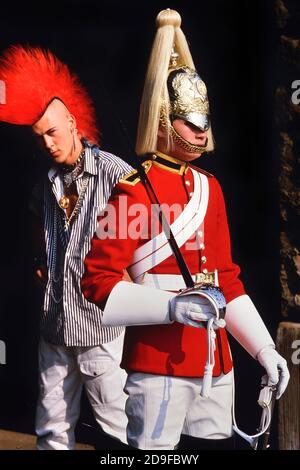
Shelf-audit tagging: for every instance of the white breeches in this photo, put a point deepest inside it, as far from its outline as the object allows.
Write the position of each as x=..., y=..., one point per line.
x=160, y=408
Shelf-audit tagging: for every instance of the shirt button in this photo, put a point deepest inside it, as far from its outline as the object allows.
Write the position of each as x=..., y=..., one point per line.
x=187, y=182
x=203, y=259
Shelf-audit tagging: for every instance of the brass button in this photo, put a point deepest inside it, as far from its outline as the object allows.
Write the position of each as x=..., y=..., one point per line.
x=203, y=259
x=205, y=271
x=187, y=182
x=202, y=246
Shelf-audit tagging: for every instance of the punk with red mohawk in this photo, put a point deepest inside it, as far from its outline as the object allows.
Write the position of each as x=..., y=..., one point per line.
x=33, y=77
x=38, y=90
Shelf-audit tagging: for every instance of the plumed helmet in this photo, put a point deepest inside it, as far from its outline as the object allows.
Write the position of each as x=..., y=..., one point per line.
x=173, y=89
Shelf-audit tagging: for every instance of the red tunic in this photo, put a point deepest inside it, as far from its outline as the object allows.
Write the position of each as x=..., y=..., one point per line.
x=173, y=349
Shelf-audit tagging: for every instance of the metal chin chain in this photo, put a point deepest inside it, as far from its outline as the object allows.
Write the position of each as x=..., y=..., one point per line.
x=185, y=144
x=164, y=121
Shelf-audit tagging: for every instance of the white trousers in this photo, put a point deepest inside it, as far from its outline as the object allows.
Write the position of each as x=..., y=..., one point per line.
x=63, y=372
x=159, y=408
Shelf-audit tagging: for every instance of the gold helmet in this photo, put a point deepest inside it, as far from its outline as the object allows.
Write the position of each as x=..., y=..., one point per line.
x=173, y=89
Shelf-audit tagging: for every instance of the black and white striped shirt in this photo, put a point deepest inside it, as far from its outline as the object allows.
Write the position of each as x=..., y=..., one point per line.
x=68, y=318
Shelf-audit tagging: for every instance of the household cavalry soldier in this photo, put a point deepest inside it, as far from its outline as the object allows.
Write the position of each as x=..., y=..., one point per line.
x=169, y=353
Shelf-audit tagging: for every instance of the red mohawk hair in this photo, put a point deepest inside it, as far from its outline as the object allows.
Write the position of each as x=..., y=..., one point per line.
x=33, y=78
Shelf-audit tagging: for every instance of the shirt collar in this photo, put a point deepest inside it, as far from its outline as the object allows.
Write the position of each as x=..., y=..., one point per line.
x=89, y=162
x=52, y=173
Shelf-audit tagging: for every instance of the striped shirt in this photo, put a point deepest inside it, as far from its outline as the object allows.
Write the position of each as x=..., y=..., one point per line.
x=68, y=318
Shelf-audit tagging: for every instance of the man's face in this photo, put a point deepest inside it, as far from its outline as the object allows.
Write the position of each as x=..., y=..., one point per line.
x=189, y=132
x=54, y=132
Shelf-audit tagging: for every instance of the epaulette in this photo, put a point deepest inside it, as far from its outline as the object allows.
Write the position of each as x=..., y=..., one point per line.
x=200, y=170
x=133, y=177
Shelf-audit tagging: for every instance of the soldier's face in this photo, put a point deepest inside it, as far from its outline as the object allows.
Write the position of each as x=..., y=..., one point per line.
x=54, y=132
x=188, y=132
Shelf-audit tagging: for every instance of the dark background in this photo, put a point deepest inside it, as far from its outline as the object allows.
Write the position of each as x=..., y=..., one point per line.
x=107, y=43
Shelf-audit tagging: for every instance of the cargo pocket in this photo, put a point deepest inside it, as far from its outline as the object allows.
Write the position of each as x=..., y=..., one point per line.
x=102, y=379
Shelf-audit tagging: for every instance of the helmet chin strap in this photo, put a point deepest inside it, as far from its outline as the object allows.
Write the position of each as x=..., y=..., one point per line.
x=192, y=148
x=185, y=144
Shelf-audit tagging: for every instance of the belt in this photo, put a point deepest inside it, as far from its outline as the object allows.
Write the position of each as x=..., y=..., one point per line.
x=175, y=282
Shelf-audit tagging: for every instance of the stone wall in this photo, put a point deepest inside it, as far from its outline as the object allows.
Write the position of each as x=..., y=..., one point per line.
x=287, y=115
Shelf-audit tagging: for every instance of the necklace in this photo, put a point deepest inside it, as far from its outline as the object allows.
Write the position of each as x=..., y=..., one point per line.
x=56, y=288
x=70, y=174
x=55, y=283
x=78, y=204
x=64, y=202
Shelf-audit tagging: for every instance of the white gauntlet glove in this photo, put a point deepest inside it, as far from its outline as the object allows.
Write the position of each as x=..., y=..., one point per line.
x=193, y=310
x=245, y=324
x=276, y=368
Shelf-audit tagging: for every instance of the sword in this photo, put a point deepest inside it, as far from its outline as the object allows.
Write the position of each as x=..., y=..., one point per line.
x=266, y=400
